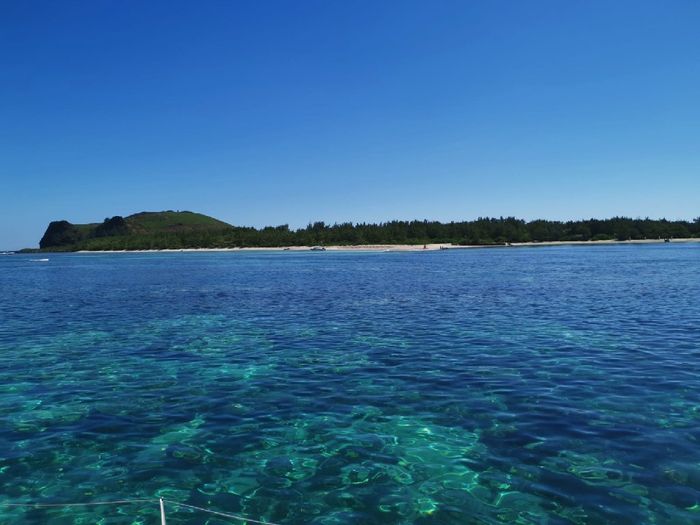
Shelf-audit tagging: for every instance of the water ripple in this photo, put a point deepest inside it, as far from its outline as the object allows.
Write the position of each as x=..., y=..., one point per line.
x=552, y=385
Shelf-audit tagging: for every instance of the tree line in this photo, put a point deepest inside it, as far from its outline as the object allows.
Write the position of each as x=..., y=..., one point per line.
x=482, y=231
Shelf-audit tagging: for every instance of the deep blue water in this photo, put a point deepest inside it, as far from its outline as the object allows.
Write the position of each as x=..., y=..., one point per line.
x=545, y=386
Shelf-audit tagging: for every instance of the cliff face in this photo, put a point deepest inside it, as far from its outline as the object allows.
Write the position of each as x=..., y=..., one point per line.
x=146, y=229
x=59, y=234
x=114, y=226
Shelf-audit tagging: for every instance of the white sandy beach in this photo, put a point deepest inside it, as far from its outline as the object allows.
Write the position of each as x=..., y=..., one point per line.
x=399, y=247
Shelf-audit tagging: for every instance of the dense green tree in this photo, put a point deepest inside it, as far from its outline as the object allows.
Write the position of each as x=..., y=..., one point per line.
x=111, y=227
x=176, y=230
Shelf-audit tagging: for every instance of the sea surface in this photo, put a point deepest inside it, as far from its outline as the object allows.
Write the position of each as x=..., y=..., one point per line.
x=550, y=385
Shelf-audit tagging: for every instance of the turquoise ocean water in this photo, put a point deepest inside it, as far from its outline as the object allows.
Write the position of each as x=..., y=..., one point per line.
x=544, y=386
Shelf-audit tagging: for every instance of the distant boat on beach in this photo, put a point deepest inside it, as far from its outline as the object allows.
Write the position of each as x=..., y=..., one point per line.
x=317, y=249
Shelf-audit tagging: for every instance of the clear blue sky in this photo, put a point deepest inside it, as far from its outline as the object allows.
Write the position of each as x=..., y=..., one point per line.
x=267, y=112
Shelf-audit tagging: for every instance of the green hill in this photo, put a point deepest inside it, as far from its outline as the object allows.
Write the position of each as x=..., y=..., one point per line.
x=145, y=230
x=172, y=221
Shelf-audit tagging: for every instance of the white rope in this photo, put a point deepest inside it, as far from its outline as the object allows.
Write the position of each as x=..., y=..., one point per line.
x=226, y=515
x=162, y=512
x=121, y=501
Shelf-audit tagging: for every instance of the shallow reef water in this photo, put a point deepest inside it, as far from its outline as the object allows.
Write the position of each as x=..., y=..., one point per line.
x=556, y=385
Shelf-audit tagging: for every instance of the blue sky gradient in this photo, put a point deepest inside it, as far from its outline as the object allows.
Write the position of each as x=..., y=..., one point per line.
x=294, y=111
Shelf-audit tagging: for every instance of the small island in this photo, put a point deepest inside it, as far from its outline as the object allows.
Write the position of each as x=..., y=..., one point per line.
x=178, y=230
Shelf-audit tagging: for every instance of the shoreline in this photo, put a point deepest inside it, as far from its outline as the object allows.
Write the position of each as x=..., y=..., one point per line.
x=397, y=247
